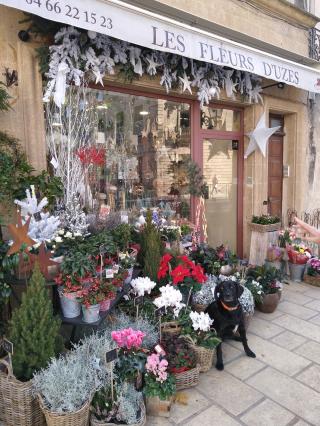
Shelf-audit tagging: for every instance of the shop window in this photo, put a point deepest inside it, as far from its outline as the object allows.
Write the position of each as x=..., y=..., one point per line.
x=220, y=119
x=143, y=146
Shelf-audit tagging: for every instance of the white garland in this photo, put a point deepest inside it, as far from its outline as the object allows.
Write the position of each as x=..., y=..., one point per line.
x=75, y=53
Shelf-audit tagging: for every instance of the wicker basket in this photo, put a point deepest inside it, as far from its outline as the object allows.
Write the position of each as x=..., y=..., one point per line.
x=198, y=307
x=187, y=379
x=310, y=279
x=18, y=407
x=95, y=422
x=171, y=327
x=204, y=357
x=257, y=227
x=77, y=418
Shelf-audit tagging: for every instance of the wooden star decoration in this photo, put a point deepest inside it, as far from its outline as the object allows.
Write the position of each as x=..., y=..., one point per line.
x=19, y=233
x=44, y=260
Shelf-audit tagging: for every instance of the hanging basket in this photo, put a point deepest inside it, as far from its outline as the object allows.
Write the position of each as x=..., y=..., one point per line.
x=257, y=227
x=204, y=357
x=18, y=407
x=187, y=379
x=143, y=419
x=77, y=418
x=171, y=327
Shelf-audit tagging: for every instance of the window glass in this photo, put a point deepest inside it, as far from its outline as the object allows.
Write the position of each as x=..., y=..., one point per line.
x=220, y=119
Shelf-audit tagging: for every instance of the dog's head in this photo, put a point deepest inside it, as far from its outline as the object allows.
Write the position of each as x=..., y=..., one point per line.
x=228, y=291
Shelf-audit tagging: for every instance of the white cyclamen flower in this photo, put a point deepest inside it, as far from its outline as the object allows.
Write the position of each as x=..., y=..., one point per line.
x=201, y=321
x=142, y=285
x=61, y=232
x=68, y=234
x=170, y=298
x=58, y=240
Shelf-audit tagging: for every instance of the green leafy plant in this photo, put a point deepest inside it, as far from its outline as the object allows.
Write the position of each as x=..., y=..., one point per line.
x=265, y=219
x=206, y=339
x=78, y=264
x=158, y=382
x=268, y=278
x=130, y=363
x=34, y=331
x=179, y=354
x=122, y=236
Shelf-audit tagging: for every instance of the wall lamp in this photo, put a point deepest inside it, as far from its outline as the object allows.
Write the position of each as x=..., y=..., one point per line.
x=279, y=85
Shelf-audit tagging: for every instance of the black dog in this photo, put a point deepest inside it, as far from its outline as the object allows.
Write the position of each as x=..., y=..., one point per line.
x=227, y=315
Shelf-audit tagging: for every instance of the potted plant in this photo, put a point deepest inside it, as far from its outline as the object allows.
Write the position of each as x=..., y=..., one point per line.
x=159, y=386
x=90, y=299
x=265, y=285
x=265, y=223
x=203, y=339
x=68, y=288
x=181, y=272
x=108, y=293
x=274, y=256
x=34, y=332
x=202, y=298
x=127, y=262
x=214, y=260
x=298, y=256
x=182, y=361
x=312, y=275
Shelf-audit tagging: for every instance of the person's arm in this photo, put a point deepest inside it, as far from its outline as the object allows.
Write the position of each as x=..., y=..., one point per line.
x=307, y=232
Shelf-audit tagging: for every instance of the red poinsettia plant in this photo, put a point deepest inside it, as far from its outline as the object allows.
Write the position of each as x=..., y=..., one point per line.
x=92, y=155
x=181, y=271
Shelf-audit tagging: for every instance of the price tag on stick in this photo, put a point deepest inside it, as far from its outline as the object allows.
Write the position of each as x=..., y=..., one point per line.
x=138, y=301
x=7, y=346
x=160, y=311
x=111, y=355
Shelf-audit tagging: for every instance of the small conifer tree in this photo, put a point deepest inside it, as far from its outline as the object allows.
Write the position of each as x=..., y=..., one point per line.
x=34, y=331
x=151, y=248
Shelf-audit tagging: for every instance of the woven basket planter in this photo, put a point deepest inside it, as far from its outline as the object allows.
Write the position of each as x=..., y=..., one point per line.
x=77, y=418
x=141, y=422
x=257, y=227
x=199, y=307
x=157, y=407
x=187, y=379
x=204, y=357
x=171, y=327
x=310, y=279
x=18, y=407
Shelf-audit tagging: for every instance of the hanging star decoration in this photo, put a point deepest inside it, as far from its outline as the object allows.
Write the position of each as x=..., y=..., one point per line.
x=259, y=137
x=215, y=148
x=152, y=67
x=19, y=232
x=186, y=83
x=44, y=260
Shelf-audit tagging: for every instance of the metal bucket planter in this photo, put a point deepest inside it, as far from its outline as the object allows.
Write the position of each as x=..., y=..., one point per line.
x=90, y=313
x=296, y=272
x=69, y=304
x=269, y=304
x=105, y=305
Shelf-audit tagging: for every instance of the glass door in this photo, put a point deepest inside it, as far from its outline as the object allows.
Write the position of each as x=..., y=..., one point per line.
x=220, y=171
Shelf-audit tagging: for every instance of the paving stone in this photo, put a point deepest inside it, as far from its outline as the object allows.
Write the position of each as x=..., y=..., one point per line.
x=267, y=317
x=289, y=340
x=228, y=392
x=310, y=350
x=297, y=310
x=315, y=304
x=301, y=423
x=311, y=377
x=315, y=320
x=158, y=421
x=277, y=357
x=196, y=402
x=244, y=367
x=299, y=326
x=264, y=329
x=268, y=413
x=230, y=352
x=297, y=287
x=298, y=298
x=212, y=416
x=293, y=395
x=314, y=293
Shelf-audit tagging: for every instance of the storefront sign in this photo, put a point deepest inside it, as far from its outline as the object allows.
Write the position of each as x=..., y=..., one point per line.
x=135, y=25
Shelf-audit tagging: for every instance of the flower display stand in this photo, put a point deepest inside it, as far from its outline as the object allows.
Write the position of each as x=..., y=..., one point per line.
x=262, y=237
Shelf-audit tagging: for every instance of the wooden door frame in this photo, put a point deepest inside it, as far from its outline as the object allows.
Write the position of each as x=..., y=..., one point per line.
x=197, y=136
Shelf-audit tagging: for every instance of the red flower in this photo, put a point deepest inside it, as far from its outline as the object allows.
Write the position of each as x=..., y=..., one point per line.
x=186, y=261
x=166, y=258
x=163, y=271
x=92, y=155
x=198, y=274
x=179, y=274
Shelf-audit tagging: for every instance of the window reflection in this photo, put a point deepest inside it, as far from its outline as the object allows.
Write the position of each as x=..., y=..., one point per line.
x=220, y=119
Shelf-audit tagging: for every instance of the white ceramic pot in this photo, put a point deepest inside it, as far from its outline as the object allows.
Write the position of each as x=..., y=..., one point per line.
x=129, y=277
x=91, y=314
x=69, y=305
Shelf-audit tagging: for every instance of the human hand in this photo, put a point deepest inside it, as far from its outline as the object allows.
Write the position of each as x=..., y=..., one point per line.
x=306, y=232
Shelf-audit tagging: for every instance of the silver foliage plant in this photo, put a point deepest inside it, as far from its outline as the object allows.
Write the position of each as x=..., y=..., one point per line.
x=70, y=381
x=129, y=403
x=101, y=53
x=143, y=324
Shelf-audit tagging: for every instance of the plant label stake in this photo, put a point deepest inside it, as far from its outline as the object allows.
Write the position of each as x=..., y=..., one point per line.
x=158, y=313
x=136, y=302
x=188, y=300
x=111, y=356
x=8, y=347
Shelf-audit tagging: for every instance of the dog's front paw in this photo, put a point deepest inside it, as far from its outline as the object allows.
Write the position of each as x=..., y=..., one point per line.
x=250, y=353
x=219, y=366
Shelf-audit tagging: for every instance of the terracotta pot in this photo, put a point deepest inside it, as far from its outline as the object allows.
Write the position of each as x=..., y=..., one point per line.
x=269, y=304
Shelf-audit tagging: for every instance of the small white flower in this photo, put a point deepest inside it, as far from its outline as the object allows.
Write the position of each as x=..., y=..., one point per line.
x=170, y=298
x=58, y=240
x=61, y=232
x=142, y=285
x=200, y=321
x=36, y=245
x=77, y=234
x=68, y=234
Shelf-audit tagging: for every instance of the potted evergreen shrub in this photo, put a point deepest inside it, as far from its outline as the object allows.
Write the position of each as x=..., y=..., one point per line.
x=34, y=332
x=159, y=387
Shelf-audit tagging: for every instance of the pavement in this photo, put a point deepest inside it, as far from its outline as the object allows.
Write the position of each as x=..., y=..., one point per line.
x=280, y=387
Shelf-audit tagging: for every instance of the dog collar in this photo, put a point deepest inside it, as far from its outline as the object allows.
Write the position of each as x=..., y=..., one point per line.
x=228, y=308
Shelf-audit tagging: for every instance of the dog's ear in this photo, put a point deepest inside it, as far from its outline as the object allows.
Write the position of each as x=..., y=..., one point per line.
x=240, y=290
x=217, y=291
